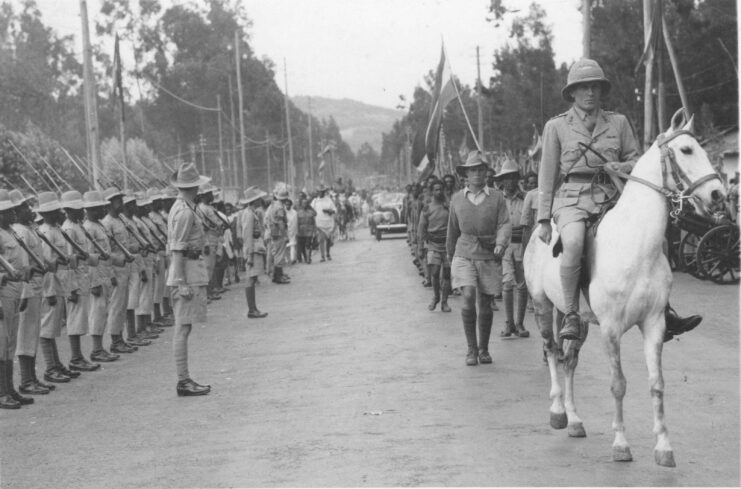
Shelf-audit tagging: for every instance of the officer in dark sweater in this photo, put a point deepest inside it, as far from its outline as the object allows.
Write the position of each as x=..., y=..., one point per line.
x=478, y=234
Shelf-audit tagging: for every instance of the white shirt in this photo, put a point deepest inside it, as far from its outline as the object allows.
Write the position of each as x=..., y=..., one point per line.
x=478, y=197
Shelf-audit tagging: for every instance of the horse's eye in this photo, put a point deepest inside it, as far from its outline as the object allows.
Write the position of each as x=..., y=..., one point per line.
x=686, y=150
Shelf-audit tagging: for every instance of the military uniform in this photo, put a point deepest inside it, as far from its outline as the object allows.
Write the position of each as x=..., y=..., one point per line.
x=62, y=283
x=213, y=232
x=253, y=245
x=158, y=226
x=145, y=302
x=566, y=168
x=32, y=293
x=10, y=296
x=101, y=275
x=121, y=272
x=77, y=312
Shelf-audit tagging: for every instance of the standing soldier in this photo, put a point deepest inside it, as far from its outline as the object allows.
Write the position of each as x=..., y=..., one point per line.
x=169, y=195
x=277, y=222
x=31, y=297
x=102, y=276
x=78, y=301
x=432, y=233
x=514, y=274
x=63, y=285
x=120, y=253
x=145, y=307
x=158, y=227
x=187, y=272
x=214, y=230
x=250, y=228
x=10, y=296
x=478, y=233
x=140, y=274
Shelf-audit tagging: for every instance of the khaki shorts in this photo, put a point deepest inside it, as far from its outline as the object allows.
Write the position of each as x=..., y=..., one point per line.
x=514, y=273
x=190, y=311
x=438, y=258
x=77, y=315
x=258, y=265
x=486, y=275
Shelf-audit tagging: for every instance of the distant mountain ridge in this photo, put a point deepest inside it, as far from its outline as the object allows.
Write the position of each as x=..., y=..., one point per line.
x=358, y=122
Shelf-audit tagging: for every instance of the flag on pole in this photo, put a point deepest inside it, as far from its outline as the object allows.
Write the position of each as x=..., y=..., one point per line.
x=536, y=145
x=419, y=157
x=118, y=77
x=443, y=93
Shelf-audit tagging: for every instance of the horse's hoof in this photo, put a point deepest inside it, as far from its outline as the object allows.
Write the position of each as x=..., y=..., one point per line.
x=665, y=458
x=621, y=454
x=576, y=430
x=559, y=421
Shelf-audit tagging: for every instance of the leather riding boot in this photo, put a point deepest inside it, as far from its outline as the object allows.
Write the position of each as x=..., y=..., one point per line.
x=570, y=286
x=520, y=318
x=445, y=292
x=486, y=316
x=6, y=401
x=571, y=327
x=469, y=328
x=676, y=325
x=509, y=322
x=10, y=388
x=253, y=311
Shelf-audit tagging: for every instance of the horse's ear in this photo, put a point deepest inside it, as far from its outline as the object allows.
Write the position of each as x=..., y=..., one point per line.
x=678, y=120
x=690, y=126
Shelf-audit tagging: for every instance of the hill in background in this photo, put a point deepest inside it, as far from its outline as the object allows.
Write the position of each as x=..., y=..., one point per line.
x=358, y=122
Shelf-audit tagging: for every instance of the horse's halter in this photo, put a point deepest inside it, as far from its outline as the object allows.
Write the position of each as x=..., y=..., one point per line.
x=669, y=166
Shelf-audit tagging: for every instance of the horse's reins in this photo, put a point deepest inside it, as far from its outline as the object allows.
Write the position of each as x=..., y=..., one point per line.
x=675, y=198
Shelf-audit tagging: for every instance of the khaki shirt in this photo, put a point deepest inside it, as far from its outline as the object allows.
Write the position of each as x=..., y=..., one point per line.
x=86, y=270
x=104, y=269
x=185, y=233
x=63, y=280
x=12, y=251
x=251, y=228
x=211, y=224
x=612, y=136
x=516, y=207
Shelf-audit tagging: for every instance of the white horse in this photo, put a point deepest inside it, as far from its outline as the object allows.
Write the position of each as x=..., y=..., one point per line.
x=630, y=278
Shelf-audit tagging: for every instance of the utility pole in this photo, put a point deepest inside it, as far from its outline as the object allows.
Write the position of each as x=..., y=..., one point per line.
x=648, y=105
x=241, y=109
x=289, y=176
x=478, y=100
x=202, y=144
x=311, y=150
x=661, y=116
x=91, y=106
x=587, y=26
x=221, y=146
x=234, y=171
x=193, y=153
x=267, y=150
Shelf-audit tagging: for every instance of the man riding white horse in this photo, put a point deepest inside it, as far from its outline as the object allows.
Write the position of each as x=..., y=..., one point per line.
x=566, y=191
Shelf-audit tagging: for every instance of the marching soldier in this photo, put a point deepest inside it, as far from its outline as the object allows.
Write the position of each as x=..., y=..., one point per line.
x=31, y=297
x=78, y=300
x=63, y=285
x=120, y=253
x=187, y=273
x=431, y=234
x=103, y=278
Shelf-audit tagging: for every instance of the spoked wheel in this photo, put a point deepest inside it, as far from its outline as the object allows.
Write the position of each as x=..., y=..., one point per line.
x=718, y=255
x=688, y=254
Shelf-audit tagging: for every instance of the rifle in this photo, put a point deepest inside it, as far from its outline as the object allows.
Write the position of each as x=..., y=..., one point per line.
x=8, y=267
x=143, y=241
x=78, y=249
x=127, y=254
x=34, y=257
x=54, y=248
x=162, y=243
x=103, y=254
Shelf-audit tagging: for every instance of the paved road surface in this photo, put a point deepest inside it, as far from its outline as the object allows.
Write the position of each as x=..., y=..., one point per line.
x=351, y=382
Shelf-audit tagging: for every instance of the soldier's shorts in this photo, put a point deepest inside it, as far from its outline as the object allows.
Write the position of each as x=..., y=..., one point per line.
x=51, y=318
x=132, y=301
x=192, y=310
x=438, y=258
x=145, y=304
x=29, y=328
x=98, y=312
x=258, y=265
x=9, y=328
x=486, y=275
x=77, y=315
x=514, y=273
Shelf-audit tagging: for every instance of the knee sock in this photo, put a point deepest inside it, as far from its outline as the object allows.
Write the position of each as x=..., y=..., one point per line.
x=435, y=282
x=521, y=304
x=509, y=306
x=486, y=315
x=130, y=324
x=116, y=338
x=28, y=368
x=97, y=342
x=55, y=352
x=469, y=327
x=570, y=286
x=74, y=346
x=180, y=351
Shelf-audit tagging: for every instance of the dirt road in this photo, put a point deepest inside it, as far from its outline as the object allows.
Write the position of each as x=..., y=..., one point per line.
x=350, y=381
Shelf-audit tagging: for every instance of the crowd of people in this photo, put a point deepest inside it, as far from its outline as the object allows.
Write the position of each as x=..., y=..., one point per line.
x=123, y=266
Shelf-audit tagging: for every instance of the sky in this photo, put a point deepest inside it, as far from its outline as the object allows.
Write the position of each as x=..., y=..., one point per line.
x=366, y=50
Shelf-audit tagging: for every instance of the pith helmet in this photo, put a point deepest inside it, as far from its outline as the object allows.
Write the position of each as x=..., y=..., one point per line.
x=475, y=158
x=509, y=168
x=18, y=198
x=5, y=202
x=585, y=71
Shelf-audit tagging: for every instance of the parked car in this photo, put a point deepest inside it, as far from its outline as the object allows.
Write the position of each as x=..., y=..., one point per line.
x=387, y=216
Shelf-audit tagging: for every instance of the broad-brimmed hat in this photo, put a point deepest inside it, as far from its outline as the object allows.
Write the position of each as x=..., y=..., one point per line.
x=206, y=188
x=251, y=195
x=142, y=199
x=16, y=196
x=129, y=197
x=187, y=176
x=585, y=71
x=169, y=193
x=509, y=168
x=154, y=194
x=322, y=188
x=93, y=198
x=475, y=158
x=112, y=192
x=5, y=202
x=72, y=199
x=48, y=202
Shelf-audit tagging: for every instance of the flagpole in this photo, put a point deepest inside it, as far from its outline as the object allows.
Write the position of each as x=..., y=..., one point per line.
x=90, y=98
x=458, y=95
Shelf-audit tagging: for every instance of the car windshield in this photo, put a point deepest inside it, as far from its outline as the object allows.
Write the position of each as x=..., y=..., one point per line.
x=389, y=199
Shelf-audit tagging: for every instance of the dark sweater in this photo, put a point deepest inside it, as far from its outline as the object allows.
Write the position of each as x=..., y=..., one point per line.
x=474, y=230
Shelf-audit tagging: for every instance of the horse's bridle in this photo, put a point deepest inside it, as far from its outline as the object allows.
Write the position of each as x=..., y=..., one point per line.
x=684, y=186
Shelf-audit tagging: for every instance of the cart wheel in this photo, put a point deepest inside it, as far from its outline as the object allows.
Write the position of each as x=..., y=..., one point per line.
x=688, y=254
x=718, y=255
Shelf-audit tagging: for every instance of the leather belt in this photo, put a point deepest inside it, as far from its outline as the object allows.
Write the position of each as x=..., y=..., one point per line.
x=578, y=177
x=192, y=254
